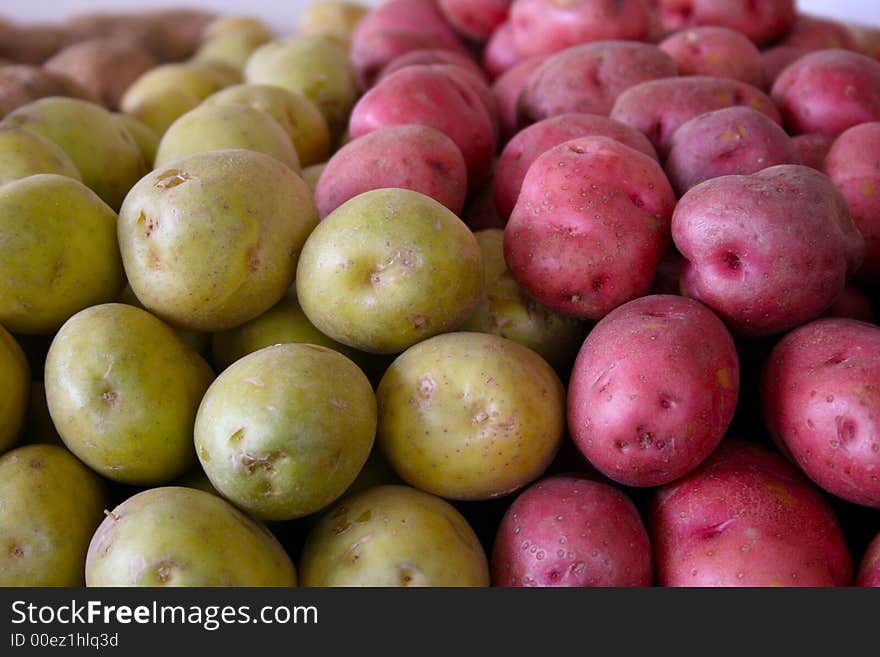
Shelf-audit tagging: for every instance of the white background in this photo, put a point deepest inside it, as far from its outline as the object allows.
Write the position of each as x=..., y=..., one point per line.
x=282, y=14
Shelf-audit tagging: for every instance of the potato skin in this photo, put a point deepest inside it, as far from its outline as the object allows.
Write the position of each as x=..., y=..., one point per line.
x=506, y=88
x=828, y=91
x=813, y=148
x=716, y=51
x=869, y=569
x=589, y=227
x=15, y=381
x=25, y=153
x=761, y=22
x=746, y=518
x=760, y=287
x=22, y=84
x=475, y=19
x=653, y=390
x=821, y=401
x=570, y=531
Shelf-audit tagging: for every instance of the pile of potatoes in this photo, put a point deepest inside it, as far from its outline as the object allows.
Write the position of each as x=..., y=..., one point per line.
x=441, y=293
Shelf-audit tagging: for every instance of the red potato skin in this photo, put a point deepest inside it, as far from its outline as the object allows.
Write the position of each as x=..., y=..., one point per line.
x=776, y=59
x=588, y=78
x=715, y=51
x=653, y=390
x=660, y=107
x=851, y=304
x=425, y=96
x=821, y=401
x=746, y=518
x=571, y=531
x=853, y=164
x=667, y=280
x=761, y=21
x=506, y=88
x=828, y=91
x=529, y=143
x=869, y=569
x=500, y=54
x=814, y=33
x=541, y=27
x=429, y=56
x=589, y=227
x=812, y=148
x=475, y=19
x=412, y=157
x=734, y=140
x=769, y=251
x=394, y=28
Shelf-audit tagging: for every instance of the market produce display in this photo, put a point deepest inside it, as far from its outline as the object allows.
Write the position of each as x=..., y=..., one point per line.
x=456, y=293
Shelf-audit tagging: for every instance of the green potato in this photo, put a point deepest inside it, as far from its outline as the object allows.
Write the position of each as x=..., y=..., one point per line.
x=198, y=340
x=58, y=252
x=38, y=426
x=145, y=137
x=50, y=505
x=316, y=67
x=217, y=127
x=123, y=390
x=388, y=268
x=506, y=310
x=311, y=174
x=393, y=536
x=232, y=48
x=232, y=24
x=213, y=241
x=178, y=536
x=15, y=382
x=470, y=416
x=106, y=155
x=300, y=118
x=285, y=430
x=336, y=19
x=24, y=153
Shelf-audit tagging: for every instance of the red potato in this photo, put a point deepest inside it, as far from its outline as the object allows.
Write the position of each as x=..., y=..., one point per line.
x=500, y=53
x=746, y=518
x=660, y=107
x=767, y=251
x=828, y=91
x=853, y=164
x=820, y=389
x=412, y=157
x=812, y=149
x=570, y=531
x=590, y=226
x=395, y=28
x=734, y=140
x=851, y=304
x=529, y=143
x=869, y=569
x=776, y=59
x=506, y=88
x=478, y=84
x=814, y=33
x=715, y=51
x=432, y=56
x=475, y=19
x=653, y=390
x=761, y=21
x=588, y=78
x=426, y=96
x=541, y=27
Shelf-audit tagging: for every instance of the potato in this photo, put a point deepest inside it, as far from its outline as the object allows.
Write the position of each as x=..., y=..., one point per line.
x=21, y=84
x=588, y=78
x=571, y=531
x=38, y=426
x=589, y=227
x=716, y=51
x=31, y=44
x=279, y=437
x=299, y=116
x=653, y=390
x=331, y=18
x=414, y=157
x=808, y=246
x=428, y=56
x=851, y=304
x=311, y=174
x=51, y=506
x=776, y=59
x=869, y=568
x=105, y=67
x=813, y=147
x=225, y=126
x=746, y=518
x=659, y=107
x=426, y=96
x=853, y=164
x=475, y=20
x=393, y=536
x=213, y=241
x=316, y=67
x=529, y=143
x=470, y=416
x=144, y=136
x=500, y=53
x=762, y=22
x=815, y=33
x=821, y=404
x=828, y=91
x=735, y=140
x=506, y=310
x=123, y=391
x=387, y=269
x=91, y=137
x=540, y=27
x=176, y=536
x=506, y=88
x=395, y=28
x=58, y=252
x=15, y=381
x=233, y=48
x=24, y=153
